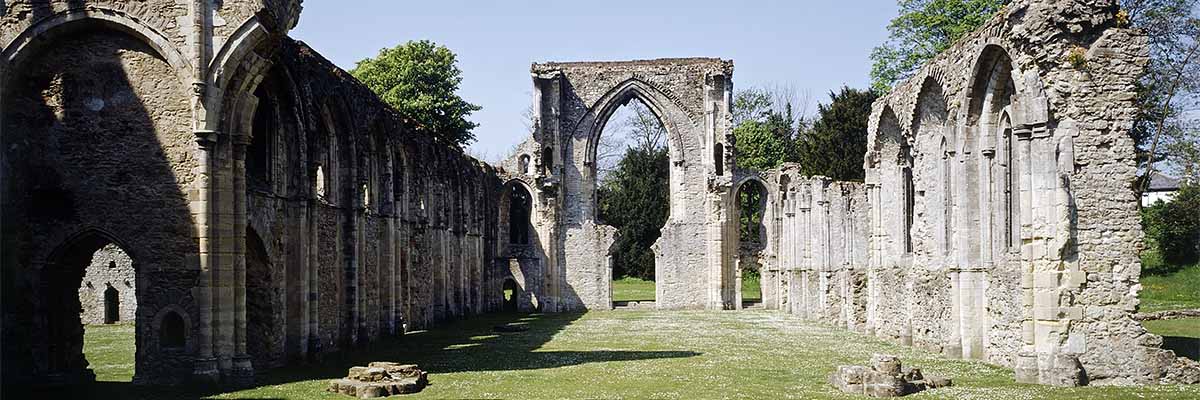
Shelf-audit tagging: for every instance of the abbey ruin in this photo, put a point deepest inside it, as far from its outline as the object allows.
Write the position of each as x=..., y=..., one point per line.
x=274, y=210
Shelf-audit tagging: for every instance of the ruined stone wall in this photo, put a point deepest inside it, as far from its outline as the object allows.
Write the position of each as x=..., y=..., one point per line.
x=997, y=220
x=112, y=268
x=405, y=227
x=274, y=209
x=999, y=178
x=98, y=151
x=817, y=250
x=573, y=101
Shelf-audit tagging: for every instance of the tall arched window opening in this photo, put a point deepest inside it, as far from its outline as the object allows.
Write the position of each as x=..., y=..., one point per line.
x=262, y=141
x=752, y=204
x=632, y=192
x=519, y=208
x=910, y=197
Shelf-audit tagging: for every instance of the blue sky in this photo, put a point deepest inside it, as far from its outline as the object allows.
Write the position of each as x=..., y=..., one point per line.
x=815, y=46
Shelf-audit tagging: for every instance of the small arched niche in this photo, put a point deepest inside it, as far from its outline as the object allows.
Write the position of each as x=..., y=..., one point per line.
x=172, y=332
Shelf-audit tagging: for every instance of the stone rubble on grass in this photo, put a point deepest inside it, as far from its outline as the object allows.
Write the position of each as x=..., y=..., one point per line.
x=380, y=379
x=884, y=378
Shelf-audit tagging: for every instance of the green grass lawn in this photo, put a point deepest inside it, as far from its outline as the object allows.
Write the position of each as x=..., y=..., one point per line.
x=633, y=289
x=1185, y=327
x=1178, y=290
x=109, y=350
x=619, y=354
x=751, y=288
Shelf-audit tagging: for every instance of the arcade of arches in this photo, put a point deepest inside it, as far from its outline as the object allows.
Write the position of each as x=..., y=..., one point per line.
x=254, y=206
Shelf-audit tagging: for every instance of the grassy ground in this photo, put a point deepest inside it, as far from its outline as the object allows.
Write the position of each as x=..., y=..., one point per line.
x=751, y=289
x=109, y=350
x=1171, y=291
x=1186, y=327
x=633, y=289
x=624, y=354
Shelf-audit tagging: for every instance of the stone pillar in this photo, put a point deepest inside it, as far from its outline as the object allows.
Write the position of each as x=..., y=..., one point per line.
x=312, y=345
x=350, y=252
x=202, y=203
x=806, y=243
x=953, y=347
x=242, y=371
x=1025, y=368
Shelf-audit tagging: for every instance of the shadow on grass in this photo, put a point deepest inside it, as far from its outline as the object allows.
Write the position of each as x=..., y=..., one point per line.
x=463, y=346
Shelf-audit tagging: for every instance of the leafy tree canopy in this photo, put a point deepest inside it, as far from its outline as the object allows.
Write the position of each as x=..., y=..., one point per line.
x=922, y=30
x=420, y=79
x=763, y=145
x=1174, y=228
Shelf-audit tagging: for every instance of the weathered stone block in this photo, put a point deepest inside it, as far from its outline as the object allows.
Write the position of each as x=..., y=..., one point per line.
x=885, y=378
x=380, y=379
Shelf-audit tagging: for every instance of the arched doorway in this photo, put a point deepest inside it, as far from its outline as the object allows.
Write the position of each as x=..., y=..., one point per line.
x=81, y=307
x=691, y=99
x=521, y=250
x=112, y=305
x=633, y=176
x=751, y=203
x=520, y=206
x=510, y=292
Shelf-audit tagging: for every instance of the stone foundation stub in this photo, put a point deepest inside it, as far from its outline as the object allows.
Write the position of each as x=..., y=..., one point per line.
x=380, y=379
x=884, y=378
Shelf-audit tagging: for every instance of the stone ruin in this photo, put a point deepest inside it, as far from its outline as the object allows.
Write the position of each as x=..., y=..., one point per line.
x=107, y=295
x=380, y=379
x=275, y=210
x=885, y=377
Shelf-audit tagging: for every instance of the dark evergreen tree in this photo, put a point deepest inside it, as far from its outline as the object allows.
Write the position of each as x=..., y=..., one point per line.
x=634, y=199
x=836, y=145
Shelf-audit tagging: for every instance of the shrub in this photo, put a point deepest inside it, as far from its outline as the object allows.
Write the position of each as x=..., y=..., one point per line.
x=1173, y=229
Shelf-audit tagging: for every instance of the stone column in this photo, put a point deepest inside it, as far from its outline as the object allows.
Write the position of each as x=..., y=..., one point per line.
x=953, y=347
x=1026, y=368
x=386, y=245
x=242, y=371
x=312, y=348
x=202, y=202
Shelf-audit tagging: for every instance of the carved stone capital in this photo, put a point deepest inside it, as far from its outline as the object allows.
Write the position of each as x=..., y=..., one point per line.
x=206, y=138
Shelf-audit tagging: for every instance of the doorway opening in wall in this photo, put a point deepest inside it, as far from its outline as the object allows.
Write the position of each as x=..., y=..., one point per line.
x=112, y=305
x=752, y=232
x=510, y=293
x=92, y=300
x=264, y=321
x=633, y=179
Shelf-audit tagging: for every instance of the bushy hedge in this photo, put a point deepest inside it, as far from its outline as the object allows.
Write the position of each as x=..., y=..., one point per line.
x=1173, y=230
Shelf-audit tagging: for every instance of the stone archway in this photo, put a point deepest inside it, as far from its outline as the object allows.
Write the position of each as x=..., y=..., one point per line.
x=691, y=99
x=750, y=220
x=61, y=341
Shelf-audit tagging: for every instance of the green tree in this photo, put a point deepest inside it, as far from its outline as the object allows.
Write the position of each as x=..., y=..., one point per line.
x=1170, y=86
x=1174, y=228
x=633, y=199
x=922, y=30
x=836, y=145
x=420, y=80
x=763, y=145
x=753, y=104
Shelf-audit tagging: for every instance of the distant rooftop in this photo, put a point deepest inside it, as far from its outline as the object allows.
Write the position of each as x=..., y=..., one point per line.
x=1163, y=183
